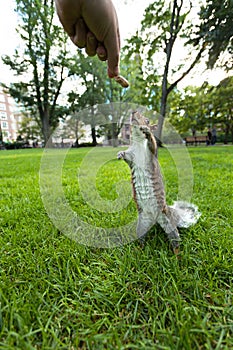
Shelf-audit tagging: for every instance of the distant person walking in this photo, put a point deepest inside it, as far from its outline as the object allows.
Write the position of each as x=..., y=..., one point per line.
x=209, y=137
x=214, y=135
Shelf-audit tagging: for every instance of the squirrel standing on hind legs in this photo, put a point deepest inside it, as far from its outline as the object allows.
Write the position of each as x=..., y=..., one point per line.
x=148, y=187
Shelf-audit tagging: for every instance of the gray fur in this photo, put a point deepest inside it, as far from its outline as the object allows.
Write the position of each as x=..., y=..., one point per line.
x=147, y=182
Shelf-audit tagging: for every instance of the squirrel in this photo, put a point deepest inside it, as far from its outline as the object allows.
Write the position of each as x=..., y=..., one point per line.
x=148, y=187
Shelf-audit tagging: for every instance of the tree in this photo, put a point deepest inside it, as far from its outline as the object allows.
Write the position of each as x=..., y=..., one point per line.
x=43, y=65
x=120, y=102
x=71, y=128
x=115, y=115
x=216, y=31
x=142, y=74
x=29, y=129
x=191, y=110
x=76, y=128
x=162, y=26
x=100, y=101
x=222, y=104
x=203, y=107
x=90, y=91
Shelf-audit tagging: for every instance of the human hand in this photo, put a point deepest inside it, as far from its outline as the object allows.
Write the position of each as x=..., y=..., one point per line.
x=93, y=24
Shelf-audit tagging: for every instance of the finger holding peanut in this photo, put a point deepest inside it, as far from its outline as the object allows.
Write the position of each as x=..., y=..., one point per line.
x=93, y=25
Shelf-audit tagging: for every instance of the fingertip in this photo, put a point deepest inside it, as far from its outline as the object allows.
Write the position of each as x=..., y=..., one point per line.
x=113, y=49
x=113, y=71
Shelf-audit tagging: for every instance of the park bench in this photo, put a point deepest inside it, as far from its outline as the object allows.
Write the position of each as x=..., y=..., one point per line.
x=195, y=140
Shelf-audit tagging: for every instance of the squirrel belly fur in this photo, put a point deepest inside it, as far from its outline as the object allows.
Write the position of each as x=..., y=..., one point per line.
x=148, y=187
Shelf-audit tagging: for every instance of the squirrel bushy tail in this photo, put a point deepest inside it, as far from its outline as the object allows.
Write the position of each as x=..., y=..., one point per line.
x=184, y=214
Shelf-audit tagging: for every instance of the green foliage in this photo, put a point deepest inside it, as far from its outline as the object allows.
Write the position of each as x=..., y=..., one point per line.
x=191, y=109
x=29, y=129
x=57, y=294
x=144, y=80
x=90, y=91
x=199, y=108
x=163, y=24
x=216, y=30
x=98, y=101
x=42, y=65
x=91, y=85
x=222, y=102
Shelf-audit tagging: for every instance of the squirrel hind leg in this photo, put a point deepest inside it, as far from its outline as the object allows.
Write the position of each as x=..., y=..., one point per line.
x=171, y=231
x=143, y=226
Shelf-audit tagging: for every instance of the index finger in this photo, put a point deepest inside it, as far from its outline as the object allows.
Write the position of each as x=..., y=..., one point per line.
x=112, y=45
x=101, y=19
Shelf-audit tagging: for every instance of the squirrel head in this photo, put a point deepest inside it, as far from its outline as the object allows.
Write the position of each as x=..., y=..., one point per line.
x=138, y=119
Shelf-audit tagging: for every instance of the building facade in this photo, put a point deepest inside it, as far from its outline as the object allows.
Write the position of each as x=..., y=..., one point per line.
x=10, y=118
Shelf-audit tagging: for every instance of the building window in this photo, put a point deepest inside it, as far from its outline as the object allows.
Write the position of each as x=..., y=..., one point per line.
x=3, y=115
x=4, y=125
x=2, y=106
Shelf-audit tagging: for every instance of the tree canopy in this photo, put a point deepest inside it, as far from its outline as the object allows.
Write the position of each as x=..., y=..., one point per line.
x=215, y=29
x=203, y=107
x=42, y=64
x=163, y=24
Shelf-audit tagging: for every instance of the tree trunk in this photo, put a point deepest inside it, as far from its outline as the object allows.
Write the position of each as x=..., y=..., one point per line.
x=162, y=115
x=93, y=135
x=114, y=135
x=76, y=144
x=175, y=27
x=46, y=128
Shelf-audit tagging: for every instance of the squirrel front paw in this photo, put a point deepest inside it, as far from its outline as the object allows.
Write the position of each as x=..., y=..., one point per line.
x=121, y=155
x=145, y=129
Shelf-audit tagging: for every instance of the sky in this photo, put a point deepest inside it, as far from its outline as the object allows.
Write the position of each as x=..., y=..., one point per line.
x=8, y=20
x=130, y=13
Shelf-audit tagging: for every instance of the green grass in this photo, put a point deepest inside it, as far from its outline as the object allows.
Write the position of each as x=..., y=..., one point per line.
x=57, y=294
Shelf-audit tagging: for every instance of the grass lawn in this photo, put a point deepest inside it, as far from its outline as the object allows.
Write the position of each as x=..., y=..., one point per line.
x=58, y=294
